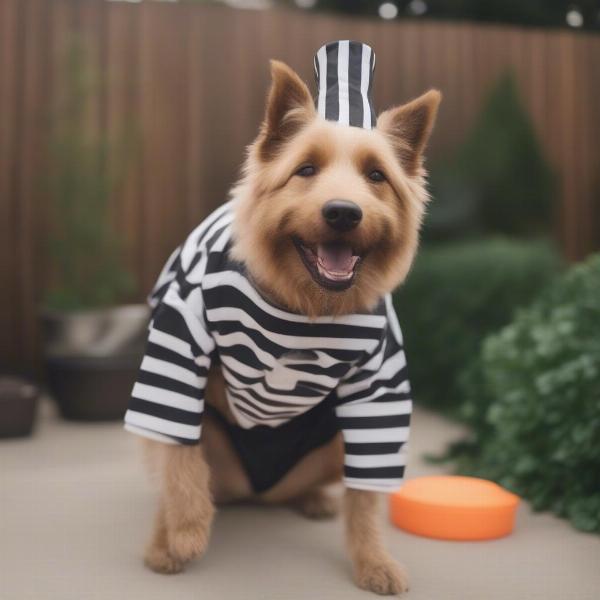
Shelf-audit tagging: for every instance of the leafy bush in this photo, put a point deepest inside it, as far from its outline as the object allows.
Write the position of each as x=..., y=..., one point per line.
x=457, y=293
x=83, y=246
x=499, y=180
x=534, y=401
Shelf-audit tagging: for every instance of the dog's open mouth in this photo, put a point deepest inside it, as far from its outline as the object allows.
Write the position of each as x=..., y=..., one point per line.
x=332, y=265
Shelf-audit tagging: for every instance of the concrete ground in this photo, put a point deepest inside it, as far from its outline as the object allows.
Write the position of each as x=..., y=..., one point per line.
x=75, y=511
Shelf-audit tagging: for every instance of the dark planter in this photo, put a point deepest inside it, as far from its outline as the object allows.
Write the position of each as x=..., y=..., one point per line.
x=18, y=407
x=92, y=358
x=92, y=388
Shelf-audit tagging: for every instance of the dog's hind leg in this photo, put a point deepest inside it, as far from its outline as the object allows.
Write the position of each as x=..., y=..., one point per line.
x=317, y=503
x=186, y=508
x=374, y=568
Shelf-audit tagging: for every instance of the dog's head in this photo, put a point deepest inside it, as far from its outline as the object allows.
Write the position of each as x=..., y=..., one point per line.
x=328, y=216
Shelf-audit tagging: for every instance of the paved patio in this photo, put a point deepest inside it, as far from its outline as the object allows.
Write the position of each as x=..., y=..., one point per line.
x=75, y=510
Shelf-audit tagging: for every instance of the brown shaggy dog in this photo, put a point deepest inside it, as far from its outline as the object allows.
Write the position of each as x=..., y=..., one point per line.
x=298, y=162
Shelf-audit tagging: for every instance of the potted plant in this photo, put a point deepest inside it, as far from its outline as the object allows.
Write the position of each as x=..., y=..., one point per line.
x=93, y=340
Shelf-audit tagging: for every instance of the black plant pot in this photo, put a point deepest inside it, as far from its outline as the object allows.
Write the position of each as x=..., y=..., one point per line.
x=18, y=407
x=92, y=388
x=92, y=358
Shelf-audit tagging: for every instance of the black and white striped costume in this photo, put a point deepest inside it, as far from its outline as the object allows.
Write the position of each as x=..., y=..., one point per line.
x=277, y=364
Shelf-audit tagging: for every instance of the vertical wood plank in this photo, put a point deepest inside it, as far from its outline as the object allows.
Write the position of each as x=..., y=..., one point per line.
x=33, y=135
x=124, y=131
x=163, y=103
x=9, y=117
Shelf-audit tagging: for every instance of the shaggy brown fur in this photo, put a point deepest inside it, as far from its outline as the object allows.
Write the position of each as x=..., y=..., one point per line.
x=274, y=206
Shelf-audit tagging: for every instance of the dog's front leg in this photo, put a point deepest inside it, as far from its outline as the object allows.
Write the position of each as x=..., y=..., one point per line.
x=186, y=509
x=374, y=568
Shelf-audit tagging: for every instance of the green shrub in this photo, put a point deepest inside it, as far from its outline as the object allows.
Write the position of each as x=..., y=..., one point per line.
x=533, y=399
x=84, y=248
x=499, y=180
x=456, y=294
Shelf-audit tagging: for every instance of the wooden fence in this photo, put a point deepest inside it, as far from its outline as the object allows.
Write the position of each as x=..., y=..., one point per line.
x=192, y=79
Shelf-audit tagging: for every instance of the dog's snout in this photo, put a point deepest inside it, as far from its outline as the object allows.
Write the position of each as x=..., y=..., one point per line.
x=341, y=215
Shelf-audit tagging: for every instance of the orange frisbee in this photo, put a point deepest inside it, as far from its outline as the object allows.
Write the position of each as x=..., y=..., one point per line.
x=454, y=508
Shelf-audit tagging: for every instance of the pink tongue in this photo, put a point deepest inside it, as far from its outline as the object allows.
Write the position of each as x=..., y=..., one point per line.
x=335, y=258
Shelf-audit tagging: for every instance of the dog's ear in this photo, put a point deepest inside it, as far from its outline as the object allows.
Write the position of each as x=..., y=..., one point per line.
x=408, y=128
x=289, y=107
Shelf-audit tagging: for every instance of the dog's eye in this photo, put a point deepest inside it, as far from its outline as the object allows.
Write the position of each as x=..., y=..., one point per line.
x=376, y=176
x=306, y=171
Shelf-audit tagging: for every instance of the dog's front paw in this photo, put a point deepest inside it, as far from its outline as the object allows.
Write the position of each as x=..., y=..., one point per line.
x=188, y=542
x=159, y=560
x=384, y=577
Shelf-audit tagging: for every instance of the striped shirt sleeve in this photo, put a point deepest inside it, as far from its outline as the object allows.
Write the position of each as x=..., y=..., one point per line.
x=167, y=400
x=374, y=415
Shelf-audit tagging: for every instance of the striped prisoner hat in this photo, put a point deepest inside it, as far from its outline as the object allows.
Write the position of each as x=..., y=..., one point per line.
x=344, y=72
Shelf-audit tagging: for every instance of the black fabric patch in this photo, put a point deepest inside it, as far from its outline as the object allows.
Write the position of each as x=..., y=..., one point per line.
x=268, y=453
x=356, y=109
x=332, y=100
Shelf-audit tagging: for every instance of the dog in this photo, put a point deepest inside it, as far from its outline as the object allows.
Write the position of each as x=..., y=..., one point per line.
x=322, y=226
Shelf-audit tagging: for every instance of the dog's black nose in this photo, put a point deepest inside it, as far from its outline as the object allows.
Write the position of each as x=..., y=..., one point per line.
x=341, y=215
